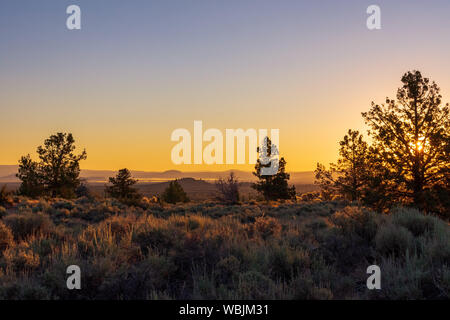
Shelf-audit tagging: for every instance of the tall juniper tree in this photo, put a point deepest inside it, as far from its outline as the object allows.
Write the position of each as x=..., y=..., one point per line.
x=272, y=186
x=411, y=137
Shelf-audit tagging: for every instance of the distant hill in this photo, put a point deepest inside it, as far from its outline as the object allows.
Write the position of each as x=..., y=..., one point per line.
x=8, y=172
x=198, y=189
x=198, y=185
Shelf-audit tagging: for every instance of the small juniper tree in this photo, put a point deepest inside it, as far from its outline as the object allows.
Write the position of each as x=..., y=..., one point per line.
x=272, y=187
x=121, y=187
x=174, y=193
x=228, y=189
x=57, y=172
x=348, y=177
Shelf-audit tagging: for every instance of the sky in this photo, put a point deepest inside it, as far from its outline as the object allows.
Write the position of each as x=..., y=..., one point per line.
x=137, y=70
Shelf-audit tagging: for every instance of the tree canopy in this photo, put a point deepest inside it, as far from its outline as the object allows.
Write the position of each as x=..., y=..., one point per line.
x=121, y=186
x=57, y=172
x=272, y=186
x=411, y=136
x=174, y=193
x=408, y=160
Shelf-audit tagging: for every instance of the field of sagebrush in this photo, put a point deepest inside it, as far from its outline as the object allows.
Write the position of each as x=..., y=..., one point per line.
x=282, y=250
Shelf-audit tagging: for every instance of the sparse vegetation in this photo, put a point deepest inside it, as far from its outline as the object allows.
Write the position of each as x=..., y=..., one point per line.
x=57, y=172
x=407, y=162
x=272, y=186
x=310, y=250
x=174, y=193
x=121, y=187
x=386, y=204
x=228, y=189
x=5, y=196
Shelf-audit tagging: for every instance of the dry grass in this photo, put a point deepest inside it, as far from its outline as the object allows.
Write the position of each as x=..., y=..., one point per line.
x=282, y=250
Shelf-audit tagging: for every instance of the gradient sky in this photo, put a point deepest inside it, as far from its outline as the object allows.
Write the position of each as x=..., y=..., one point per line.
x=139, y=69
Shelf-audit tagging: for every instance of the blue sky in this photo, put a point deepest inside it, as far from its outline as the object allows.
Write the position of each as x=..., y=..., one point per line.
x=137, y=70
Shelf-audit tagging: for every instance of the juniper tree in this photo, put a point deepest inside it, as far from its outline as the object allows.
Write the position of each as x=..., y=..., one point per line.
x=411, y=136
x=174, y=193
x=348, y=177
x=57, y=172
x=121, y=186
x=272, y=186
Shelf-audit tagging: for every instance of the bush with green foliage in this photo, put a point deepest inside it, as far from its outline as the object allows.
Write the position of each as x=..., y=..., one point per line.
x=174, y=193
x=272, y=186
x=57, y=172
x=121, y=187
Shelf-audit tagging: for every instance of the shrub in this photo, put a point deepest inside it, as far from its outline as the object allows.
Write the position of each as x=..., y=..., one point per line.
x=174, y=193
x=281, y=263
x=417, y=223
x=63, y=204
x=358, y=221
x=5, y=198
x=304, y=289
x=24, y=225
x=267, y=227
x=255, y=285
x=309, y=196
x=139, y=281
x=228, y=189
x=291, y=251
x=401, y=279
x=157, y=238
x=6, y=237
x=396, y=240
x=23, y=290
x=121, y=188
x=2, y=212
x=227, y=268
x=21, y=258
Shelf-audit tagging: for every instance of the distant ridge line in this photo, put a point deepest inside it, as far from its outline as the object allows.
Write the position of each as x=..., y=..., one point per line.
x=8, y=172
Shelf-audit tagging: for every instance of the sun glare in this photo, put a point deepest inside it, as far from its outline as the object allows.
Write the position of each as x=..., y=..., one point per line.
x=418, y=145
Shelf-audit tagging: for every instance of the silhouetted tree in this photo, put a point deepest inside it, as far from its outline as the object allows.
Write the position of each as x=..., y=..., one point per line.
x=274, y=186
x=411, y=138
x=228, y=189
x=32, y=183
x=57, y=172
x=121, y=187
x=174, y=193
x=379, y=183
x=347, y=178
